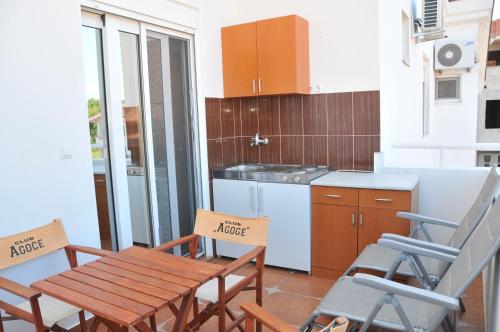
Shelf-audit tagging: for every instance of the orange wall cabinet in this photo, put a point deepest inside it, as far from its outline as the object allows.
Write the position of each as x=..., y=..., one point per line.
x=266, y=57
x=346, y=220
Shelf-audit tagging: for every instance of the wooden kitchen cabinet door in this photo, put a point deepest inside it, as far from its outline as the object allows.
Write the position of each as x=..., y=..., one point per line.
x=373, y=222
x=283, y=53
x=334, y=234
x=239, y=58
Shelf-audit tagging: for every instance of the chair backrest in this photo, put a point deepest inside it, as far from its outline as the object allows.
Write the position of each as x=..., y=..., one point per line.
x=220, y=226
x=478, y=251
x=28, y=245
x=470, y=221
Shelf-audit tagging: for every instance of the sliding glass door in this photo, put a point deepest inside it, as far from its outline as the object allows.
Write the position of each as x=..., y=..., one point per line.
x=152, y=130
x=172, y=133
x=98, y=127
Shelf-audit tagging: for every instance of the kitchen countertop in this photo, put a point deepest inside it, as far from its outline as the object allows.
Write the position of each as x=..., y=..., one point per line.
x=387, y=181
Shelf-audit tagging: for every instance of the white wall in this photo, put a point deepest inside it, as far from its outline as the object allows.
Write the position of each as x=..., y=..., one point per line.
x=446, y=193
x=400, y=83
x=451, y=123
x=343, y=40
x=43, y=107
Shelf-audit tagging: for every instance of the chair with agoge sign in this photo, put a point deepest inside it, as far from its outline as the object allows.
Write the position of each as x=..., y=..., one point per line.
x=216, y=293
x=43, y=311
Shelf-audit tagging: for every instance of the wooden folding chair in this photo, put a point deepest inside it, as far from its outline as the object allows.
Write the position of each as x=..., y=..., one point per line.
x=254, y=313
x=219, y=226
x=43, y=311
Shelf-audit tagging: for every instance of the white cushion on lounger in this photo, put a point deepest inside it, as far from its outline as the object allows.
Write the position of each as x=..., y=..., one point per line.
x=53, y=310
x=210, y=291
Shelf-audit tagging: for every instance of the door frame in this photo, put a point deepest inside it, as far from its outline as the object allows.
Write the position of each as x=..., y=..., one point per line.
x=94, y=20
x=114, y=23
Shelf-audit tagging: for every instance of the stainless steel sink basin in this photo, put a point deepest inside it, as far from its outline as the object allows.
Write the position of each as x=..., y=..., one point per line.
x=298, y=174
x=245, y=168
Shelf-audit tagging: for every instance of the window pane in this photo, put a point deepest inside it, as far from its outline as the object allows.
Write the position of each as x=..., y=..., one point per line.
x=96, y=111
x=134, y=138
x=492, y=114
x=448, y=88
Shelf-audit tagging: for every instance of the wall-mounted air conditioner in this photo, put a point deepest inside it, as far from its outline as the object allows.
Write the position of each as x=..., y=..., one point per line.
x=454, y=54
x=428, y=20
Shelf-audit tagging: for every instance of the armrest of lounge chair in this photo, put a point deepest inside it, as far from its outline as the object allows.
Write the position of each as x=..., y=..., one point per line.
x=421, y=243
x=416, y=250
x=426, y=220
x=396, y=288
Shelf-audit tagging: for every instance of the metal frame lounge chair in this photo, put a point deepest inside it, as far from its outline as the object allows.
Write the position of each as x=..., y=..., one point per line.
x=43, y=311
x=401, y=255
x=370, y=300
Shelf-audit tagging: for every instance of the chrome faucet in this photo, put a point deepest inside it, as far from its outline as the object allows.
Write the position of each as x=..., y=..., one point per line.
x=256, y=140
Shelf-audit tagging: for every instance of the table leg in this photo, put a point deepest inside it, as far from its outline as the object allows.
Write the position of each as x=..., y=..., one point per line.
x=152, y=323
x=83, y=322
x=109, y=324
x=95, y=324
x=142, y=327
x=181, y=318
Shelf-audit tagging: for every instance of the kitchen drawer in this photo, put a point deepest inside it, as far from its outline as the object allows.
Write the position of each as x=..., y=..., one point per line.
x=385, y=199
x=335, y=195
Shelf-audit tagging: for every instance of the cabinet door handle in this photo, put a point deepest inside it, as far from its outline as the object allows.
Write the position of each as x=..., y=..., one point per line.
x=361, y=218
x=253, y=86
x=252, y=198
x=260, y=86
x=261, y=201
x=388, y=200
x=100, y=180
x=353, y=217
x=333, y=196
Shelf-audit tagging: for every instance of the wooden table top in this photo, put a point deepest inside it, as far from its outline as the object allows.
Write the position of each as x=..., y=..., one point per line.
x=131, y=285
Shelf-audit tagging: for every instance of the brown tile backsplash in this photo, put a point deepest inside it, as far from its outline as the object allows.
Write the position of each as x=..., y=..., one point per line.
x=341, y=130
x=341, y=152
x=269, y=116
x=229, y=151
x=366, y=107
x=340, y=113
x=364, y=147
x=249, y=116
x=227, y=118
x=292, y=149
x=291, y=115
x=271, y=153
x=212, y=109
x=249, y=154
x=314, y=150
x=314, y=110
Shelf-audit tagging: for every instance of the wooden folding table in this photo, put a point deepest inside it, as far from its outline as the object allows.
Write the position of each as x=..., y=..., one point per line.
x=127, y=287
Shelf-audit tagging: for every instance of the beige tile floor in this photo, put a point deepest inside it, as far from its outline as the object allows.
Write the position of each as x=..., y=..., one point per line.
x=292, y=296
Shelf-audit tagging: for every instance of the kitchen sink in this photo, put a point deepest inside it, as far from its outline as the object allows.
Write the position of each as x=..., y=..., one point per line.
x=298, y=174
x=245, y=168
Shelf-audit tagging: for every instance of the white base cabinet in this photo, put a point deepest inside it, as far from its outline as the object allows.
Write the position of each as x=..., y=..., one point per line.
x=288, y=207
